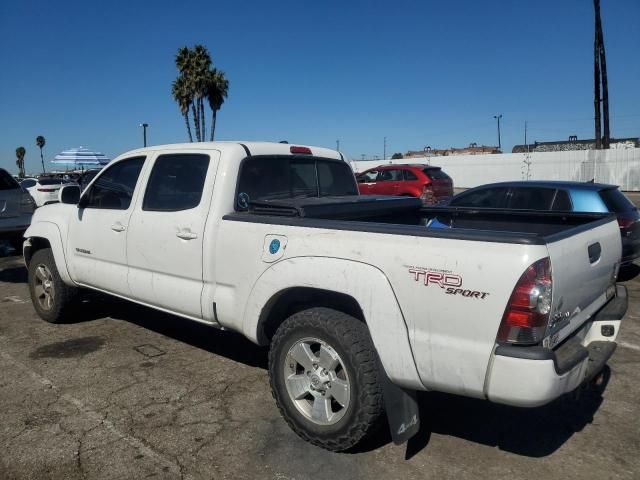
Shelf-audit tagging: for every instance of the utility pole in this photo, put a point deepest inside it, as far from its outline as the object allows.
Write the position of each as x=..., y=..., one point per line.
x=525, y=136
x=362, y=155
x=144, y=133
x=384, y=155
x=600, y=80
x=498, y=117
x=338, y=145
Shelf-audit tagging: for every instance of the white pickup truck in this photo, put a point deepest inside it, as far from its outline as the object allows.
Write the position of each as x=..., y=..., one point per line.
x=363, y=300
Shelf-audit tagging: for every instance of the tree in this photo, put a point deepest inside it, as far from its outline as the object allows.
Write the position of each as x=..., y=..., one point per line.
x=217, y=91
x=396, y=156
x=196, y=83
x=180, y=92
x=20, y=153
x=40, y=142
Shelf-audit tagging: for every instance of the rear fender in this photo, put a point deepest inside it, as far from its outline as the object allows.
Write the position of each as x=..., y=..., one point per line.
x=50, y=232
x=364, y=283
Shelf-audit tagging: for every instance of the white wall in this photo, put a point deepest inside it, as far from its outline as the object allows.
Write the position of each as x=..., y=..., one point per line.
x=615, y=166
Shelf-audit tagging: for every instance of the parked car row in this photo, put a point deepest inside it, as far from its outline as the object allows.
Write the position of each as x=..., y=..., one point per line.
x=564, y=197
x=16, y=209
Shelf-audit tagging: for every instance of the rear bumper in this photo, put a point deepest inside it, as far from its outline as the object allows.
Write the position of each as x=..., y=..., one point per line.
x=534, y=376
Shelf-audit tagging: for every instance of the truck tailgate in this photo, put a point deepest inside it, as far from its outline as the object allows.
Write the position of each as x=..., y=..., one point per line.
x=584, y=266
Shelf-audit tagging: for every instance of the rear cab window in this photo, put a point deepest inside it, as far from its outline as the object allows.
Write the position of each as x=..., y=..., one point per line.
x=277, y=177
x=176, y=182
x=7, y=182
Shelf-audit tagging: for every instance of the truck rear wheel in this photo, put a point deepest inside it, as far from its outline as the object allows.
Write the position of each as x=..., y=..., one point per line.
x=323, y=370
x=51, y=297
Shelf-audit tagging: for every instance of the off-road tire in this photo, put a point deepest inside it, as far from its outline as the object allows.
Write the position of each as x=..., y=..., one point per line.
x=350, y=338
x=63, y=300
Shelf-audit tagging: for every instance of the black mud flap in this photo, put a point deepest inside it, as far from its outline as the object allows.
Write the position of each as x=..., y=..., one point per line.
x=402, y=410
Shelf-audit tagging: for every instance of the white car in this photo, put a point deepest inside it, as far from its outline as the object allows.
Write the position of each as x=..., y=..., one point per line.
x=43, y=190
x=363, y=300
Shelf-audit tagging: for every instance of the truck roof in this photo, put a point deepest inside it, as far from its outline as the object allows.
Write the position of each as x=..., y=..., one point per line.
x=255, y=148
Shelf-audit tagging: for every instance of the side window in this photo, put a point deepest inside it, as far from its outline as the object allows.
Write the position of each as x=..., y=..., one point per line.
x=390, y=176
x=562, y=202
x=114, y=188
x=409, y=176
x=531, y=198
x=176, y=182
x=484, y=198
x=368, y=177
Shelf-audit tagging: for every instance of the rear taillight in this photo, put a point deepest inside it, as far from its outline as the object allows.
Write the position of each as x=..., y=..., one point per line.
x=625, y=222
x=47, y=190
x=427, y=196
x=302, y=150
x=527, y=314
x=27, y=204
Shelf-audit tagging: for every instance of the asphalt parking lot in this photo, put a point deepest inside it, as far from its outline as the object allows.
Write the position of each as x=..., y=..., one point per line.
x=130, y=393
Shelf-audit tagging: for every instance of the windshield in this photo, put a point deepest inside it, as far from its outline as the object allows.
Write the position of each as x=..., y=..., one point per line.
x=270, y=177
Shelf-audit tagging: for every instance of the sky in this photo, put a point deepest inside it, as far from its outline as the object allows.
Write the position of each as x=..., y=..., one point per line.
x=420, y=73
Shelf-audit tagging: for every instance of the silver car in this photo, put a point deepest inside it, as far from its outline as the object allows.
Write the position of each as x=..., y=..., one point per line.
x=16, y=208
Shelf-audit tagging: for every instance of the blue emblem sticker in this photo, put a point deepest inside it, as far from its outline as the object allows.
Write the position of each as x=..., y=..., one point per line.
x=274, y=246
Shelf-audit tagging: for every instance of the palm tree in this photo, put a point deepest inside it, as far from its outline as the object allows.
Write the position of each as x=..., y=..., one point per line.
x=40, y=142
x=20, y=153
x=217, y=91
x=183, y=97
x=197, y=81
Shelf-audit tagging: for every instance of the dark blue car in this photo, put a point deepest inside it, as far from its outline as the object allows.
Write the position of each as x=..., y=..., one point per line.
x=561, y=196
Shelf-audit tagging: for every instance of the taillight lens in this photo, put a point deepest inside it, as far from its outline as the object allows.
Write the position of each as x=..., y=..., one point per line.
x=527, y=314
x=47, y=190
x=427, y=196
x=27, y=205
x=625, y=222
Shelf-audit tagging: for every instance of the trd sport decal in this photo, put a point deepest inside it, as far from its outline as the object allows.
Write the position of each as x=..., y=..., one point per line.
x=445, y=279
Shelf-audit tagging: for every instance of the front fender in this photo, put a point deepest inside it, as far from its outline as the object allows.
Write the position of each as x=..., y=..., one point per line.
x=50, y=232
x=363, y=282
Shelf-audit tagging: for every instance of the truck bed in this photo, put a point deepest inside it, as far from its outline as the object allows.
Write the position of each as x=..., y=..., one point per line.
x=407, y=216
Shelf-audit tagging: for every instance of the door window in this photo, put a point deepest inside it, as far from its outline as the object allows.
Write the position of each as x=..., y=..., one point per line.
x=176, y=182
x=28, y=183
x=486, y=198
x=531, y=198
x=114, y=188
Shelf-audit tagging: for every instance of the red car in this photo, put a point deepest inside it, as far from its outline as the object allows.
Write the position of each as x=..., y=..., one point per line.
x=426, y=182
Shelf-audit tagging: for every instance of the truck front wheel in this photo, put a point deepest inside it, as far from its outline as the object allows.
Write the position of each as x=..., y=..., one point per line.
x=51, y=297
x=323, y=370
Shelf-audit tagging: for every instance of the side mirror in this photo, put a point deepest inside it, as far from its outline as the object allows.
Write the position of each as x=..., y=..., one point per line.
x=69, y=194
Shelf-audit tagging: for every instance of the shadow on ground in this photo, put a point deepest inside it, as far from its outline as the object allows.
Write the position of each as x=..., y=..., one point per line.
x=628, y=273
x=536, y=432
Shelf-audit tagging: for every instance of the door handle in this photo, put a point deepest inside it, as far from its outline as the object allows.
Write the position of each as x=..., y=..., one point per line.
x=118, y=227
x=186, y=235
x=594, y=250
